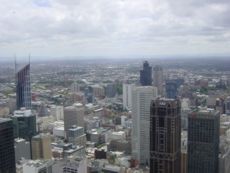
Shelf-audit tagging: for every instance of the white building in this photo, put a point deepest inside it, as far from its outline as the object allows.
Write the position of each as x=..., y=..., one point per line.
x=59, y=131
x=185, y=109
x=70, y=166
x=141, y=99
x=158, y=79
x=57, y=112
x=38, y=166
x=127, y=95
x=116, y=136
x=23, y=113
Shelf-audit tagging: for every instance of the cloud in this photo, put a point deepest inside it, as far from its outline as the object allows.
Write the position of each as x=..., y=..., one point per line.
x=102, y=27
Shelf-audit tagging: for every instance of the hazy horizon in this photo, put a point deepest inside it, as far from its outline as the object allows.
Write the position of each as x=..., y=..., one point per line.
x=119, y=58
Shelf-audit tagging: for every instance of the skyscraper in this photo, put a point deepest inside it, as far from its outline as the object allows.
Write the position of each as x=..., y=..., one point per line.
x=7, y=155
x=127, y=96
x=158, y=79
x=76, y=135
x=22, y=149
x=203, y=141
x=57, y=112
x=141, y=99
x=171, y=89
x=41, y=147
x=227, y=105
x=172, y=86
x=146, y=74
x=110, y=90
x=23, y=90
x=24, y=124
x=165, y=136
x=74, y=115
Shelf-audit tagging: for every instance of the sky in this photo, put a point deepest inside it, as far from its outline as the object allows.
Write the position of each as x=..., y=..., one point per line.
x=114, y=28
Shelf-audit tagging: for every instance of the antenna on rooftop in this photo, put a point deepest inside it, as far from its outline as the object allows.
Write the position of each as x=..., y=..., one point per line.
x=15, y=64
x=29, y=58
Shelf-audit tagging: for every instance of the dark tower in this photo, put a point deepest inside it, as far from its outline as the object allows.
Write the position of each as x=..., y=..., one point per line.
x=7, y=155
x=23, y=89
x=146, y=75
x=203, y=141
x=24, y=124
x=165, y=136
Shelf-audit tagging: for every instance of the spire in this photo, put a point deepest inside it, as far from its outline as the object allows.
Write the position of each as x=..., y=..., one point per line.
x=29, y=58
x=15, y=64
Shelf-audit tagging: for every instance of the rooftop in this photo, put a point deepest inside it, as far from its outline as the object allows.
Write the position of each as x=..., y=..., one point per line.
x=2, y=120
x=37, y=163
x=23, y=113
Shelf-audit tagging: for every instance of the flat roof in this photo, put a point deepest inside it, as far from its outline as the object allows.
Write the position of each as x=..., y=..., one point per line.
x=2, y=120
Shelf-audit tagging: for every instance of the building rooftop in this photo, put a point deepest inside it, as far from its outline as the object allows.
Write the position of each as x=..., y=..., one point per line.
x=18, y=140
x=59, y=128
x=78, y=104
x=23, y=113
x=2, y=120
x=118, y=133
x=204, y=112
x=37, y=163
x=74, y=128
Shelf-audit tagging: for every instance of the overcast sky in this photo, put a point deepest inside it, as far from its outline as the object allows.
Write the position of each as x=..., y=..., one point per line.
x=114, y=27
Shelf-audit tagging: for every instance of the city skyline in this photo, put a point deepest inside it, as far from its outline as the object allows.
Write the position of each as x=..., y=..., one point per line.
x=50, y=28
x=120, y=86
x=85, y=105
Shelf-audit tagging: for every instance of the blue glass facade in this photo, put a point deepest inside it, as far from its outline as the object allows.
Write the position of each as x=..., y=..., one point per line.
x=23, y=89
x=146, y=75
x=172, y=86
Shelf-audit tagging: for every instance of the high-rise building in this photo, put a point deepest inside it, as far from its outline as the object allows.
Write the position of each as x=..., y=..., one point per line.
x=76, y=135
x=24, y=122
x=23, y=88
x=227, y=106
x=203, y=141
x=7, y=155
x=74, y=115
x=38, y=166
x=57, y=112
x=89, y=94
x=158, y=79
x=184, y=153
x=219, y=106
x=141, y=99
x=172, y=87
x=146, y=74
x=127, y=96
x=41, y=147
x=110, y=90
x=165, y=136
x=224, y=155
x=22, y=149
